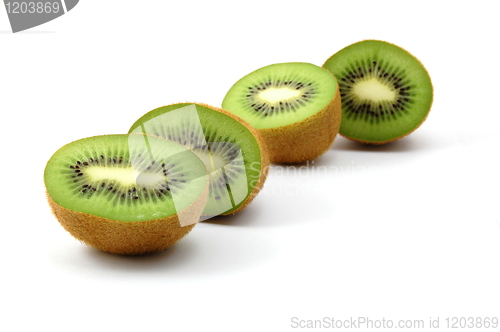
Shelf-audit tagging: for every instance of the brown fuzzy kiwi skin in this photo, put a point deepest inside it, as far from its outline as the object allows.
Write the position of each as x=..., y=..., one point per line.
x=128, y=238
x=307, y=139
x=264, y=155
x=408, y=133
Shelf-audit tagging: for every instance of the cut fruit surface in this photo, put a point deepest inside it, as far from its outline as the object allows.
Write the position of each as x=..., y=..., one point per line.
x=126, y=194
x=386, y=92
x=295, y=106
x=280, y=94
x=125, y=177
x=231, y=150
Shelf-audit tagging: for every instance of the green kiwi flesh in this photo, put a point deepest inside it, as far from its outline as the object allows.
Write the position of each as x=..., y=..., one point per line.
x=280, y=94
x=386, y=92
x=230, y=150
x=125, y=178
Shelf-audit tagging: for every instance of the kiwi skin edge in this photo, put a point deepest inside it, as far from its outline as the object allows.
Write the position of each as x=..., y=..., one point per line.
x=264, y=156
x=305, y=140
x=387, y=141
x=125, y=237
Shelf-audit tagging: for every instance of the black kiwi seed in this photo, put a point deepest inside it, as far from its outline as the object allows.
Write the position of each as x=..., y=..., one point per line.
x=351, y=101
x=268, y=109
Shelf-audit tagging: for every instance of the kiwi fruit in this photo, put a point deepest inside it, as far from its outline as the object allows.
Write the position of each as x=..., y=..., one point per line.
x=233, y=152
x=386, y=92
x=126, y=194
x=295, y=106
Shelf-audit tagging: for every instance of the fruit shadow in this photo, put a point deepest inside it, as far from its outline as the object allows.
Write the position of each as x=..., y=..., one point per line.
x=206, y=251
x=342, y=145
x=243, y=218
x=422, y=140
x=405, y=144
x=280, y=204
x=175, y=255
x=346, y=154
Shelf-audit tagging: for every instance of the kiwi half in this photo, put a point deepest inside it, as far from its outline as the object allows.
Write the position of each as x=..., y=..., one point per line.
x=232, y=151
x=295, y=107
x=126, y=194
x=386, y=92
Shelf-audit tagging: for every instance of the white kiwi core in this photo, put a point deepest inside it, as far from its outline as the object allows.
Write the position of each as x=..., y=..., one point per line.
x=127, y=176
x=274, y=95
x=373, y=90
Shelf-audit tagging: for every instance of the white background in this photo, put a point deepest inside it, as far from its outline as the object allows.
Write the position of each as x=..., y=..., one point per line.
x=409, y=230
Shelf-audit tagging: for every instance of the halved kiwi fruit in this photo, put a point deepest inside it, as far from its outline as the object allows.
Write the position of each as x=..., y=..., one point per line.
x=295, y=107
x=232, y=151
x=386, y=92
x=126, y=194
